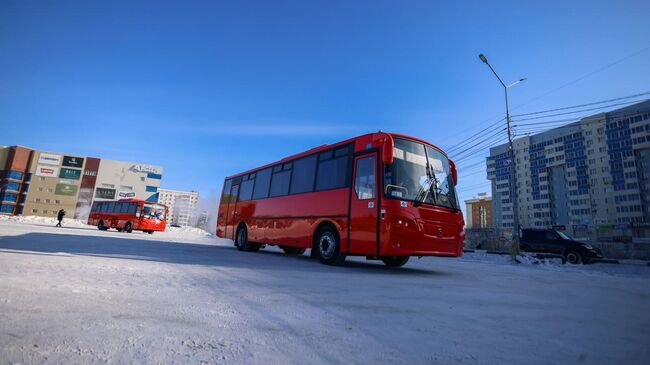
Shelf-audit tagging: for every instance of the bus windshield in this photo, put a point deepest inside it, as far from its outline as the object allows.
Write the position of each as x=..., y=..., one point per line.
x=407, y=177
x=154, y=211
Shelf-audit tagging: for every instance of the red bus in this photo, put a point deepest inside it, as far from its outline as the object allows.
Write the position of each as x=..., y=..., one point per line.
x=380, y=195
x=127, y=215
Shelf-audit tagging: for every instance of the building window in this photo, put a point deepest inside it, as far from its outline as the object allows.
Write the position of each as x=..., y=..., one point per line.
x=14, y=175
x=151, y=175
x=152, y=189
x=6, y=208
x=8, y=197
x=34, y=211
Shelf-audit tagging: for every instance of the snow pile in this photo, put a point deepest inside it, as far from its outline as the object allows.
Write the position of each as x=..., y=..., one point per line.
x=187, y=231
x=32, y=219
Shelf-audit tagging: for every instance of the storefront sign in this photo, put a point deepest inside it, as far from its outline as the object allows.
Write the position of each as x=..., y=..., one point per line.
x=72, y=161
x=47, y=171
x=126, y=194
x=49, y=159
x=66, y=189
x=146, y=168
x=70, y=174
x=104, y=193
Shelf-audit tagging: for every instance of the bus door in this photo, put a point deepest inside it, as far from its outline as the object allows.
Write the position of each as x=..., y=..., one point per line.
x=364, y=206
x=231, y=212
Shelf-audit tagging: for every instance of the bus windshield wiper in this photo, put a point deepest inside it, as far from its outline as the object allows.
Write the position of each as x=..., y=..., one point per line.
x=423, y=192
x=426, y=189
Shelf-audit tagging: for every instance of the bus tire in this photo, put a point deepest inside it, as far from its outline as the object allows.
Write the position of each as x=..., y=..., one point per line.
x=127, y=227
x=101, y=226
x=293, y=250
x=150, y=232
x=328, y=245
x=241, y=240
x=395, y=261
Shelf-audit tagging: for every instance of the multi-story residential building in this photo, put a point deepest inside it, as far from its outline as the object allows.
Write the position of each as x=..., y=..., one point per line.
x=479, y=211
x=40, y=183
x=593, y=174
x=182, y=205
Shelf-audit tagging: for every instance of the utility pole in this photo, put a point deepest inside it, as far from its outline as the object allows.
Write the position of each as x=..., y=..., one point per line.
x=514, y=248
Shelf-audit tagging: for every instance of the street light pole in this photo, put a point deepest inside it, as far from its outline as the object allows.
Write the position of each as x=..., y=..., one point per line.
x=513, y=173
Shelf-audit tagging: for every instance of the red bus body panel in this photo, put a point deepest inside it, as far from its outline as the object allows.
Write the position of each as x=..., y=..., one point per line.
x=292, y=220
x=119, y=220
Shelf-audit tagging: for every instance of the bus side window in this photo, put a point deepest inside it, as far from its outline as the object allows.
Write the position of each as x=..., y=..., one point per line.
x=104, y=207
x=262, y=184
x=111, y=208
x=132, y=208
x=94, y=207
x=138, y=210
x=125, y=208
x=117, y=208
x=332, y=172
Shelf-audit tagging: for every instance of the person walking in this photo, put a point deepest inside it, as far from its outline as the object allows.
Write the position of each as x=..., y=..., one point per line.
x=59, y=217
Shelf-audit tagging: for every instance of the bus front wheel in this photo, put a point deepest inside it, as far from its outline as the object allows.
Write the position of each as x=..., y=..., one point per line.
x=329, y=247
x=127, y=227
x=242, y=243
x=395, y=261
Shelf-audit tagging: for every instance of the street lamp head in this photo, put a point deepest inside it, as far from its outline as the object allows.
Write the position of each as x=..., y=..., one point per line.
x=483, y=58
x=524, y=79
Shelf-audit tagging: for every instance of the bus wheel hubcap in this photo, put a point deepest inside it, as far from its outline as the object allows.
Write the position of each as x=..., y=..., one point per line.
x=327, y=245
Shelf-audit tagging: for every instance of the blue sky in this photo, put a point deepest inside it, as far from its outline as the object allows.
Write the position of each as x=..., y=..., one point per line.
x=208, y=89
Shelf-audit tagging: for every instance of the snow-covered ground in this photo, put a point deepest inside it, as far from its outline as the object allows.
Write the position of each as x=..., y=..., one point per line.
x=79, y=295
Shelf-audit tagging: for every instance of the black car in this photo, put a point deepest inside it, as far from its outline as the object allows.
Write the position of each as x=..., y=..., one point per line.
x=556, y=242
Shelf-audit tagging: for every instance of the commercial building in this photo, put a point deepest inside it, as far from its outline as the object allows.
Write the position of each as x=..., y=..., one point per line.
x=479, y=211
x=590, y=175
x=182, y=205
x=40, y=183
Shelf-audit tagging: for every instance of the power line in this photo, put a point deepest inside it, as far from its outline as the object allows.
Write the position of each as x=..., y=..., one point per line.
x=582, y=105
x=580, y=111
x=551, y=124
x=634, y=54
x=487, y=137
x=477, y=148
x=473, y=136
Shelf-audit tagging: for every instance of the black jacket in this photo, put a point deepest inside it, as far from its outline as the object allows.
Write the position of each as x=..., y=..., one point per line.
x=60, y=215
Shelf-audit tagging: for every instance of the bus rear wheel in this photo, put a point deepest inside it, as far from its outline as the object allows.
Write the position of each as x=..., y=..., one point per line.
x=127, y=227
x=328, y=246
x=101, y=226
x=242, y=243
x=293, y=250
x=395, y=261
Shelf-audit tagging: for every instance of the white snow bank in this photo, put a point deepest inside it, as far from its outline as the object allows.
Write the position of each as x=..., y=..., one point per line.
x=31, y=219
x=169, y=233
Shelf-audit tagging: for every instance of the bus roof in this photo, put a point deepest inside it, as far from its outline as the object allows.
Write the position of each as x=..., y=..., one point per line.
x=328, y=146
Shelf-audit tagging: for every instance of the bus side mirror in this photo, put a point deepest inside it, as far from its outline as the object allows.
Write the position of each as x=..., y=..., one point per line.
x=454, y=172
x=388, y=150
